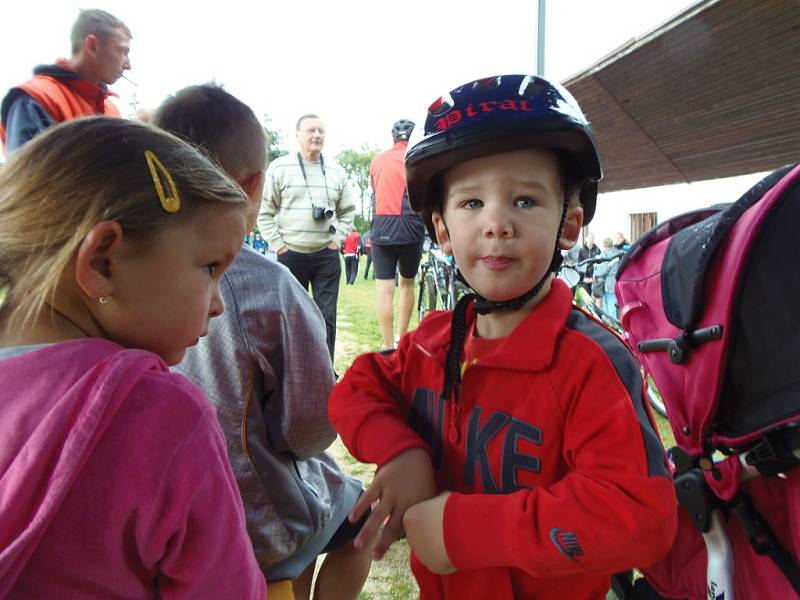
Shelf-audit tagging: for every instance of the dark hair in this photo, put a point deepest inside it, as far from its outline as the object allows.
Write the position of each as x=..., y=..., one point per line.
x=97, y=22
x=303, y=118
x=222, y=125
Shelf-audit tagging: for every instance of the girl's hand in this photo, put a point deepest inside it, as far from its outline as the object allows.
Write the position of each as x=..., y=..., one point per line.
x=402, y=482
x=424, y=527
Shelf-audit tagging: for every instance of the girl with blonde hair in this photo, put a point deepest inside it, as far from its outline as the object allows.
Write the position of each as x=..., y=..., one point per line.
x=114, y=480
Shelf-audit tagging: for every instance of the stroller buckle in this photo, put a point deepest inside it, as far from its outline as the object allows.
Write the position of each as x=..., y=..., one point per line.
x=775, y=453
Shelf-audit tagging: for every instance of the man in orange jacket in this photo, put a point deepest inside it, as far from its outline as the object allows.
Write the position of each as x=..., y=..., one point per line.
x=73, y=87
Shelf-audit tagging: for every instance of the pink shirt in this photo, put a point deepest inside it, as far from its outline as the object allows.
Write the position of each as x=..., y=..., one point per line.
x=114, y=481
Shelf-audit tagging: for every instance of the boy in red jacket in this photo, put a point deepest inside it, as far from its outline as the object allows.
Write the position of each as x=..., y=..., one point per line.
x=513, y=443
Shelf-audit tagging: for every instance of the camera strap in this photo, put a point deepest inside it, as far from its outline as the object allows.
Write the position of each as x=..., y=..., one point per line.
x=305, y=178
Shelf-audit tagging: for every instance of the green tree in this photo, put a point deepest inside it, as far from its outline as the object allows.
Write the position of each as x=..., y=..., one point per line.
x=274, y=140
x=356, y=165
x=360, y=224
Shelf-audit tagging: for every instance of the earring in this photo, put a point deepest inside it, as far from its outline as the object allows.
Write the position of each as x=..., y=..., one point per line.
x=104, y=300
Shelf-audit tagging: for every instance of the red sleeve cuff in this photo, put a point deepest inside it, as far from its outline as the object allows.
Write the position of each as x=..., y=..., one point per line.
x=474, y=535
x=382, y=437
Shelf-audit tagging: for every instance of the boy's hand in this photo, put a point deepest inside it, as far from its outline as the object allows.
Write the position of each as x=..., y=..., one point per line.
x=402, y=482
x=424, y=526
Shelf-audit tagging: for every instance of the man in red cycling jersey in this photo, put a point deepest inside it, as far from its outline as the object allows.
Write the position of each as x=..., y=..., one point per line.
x=397, y=234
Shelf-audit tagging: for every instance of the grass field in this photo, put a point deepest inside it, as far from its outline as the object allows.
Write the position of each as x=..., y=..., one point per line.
x=357, y=332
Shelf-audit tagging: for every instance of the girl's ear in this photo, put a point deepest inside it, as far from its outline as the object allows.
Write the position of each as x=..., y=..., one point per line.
x=93, y=262
x=572, y=228
x=442, y=235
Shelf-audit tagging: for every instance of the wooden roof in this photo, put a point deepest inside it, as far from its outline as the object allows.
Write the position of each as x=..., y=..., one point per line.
x=712, y=93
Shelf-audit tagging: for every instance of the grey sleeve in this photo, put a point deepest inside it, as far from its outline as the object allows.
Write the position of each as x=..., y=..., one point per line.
x=286, y=333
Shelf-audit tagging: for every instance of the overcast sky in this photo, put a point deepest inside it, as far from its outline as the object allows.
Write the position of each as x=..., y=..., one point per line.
x=361, y=65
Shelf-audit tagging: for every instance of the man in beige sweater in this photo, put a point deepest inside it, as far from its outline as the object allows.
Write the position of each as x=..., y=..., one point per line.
x=308, y=210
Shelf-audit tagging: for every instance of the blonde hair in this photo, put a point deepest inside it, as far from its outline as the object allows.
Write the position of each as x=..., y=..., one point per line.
x=80, y=173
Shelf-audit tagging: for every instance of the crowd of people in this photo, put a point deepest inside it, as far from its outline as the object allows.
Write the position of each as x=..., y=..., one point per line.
x=169, y=393
x=598, y=268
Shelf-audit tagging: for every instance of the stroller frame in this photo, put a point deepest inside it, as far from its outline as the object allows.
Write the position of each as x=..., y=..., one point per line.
x=711, y=462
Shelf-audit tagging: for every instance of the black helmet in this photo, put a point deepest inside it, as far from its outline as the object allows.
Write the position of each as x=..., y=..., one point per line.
x=402, y=129
x=495, y=115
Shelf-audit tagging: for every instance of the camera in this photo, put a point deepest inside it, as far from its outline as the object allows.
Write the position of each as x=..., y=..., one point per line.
x=321, y=212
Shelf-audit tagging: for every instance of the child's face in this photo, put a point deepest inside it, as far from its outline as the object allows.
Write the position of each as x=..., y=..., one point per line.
x=502, y=214
x=166, y=290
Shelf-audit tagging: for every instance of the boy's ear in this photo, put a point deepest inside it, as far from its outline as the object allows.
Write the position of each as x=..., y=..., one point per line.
x=253, y=187
x=93, y=261
x=251, y=184
x=572, y=228
x=442, y=235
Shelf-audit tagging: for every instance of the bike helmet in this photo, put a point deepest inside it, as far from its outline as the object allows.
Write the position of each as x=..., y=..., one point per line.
x=495, y=115
x=492, y=116
x=503, y=114
x=402, y=129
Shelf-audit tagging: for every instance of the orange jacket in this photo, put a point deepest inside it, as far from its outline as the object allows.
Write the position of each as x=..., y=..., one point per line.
x=63, y=98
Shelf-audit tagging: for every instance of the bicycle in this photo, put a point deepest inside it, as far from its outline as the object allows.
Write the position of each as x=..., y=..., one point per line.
x=439, y=288
x=573, y=275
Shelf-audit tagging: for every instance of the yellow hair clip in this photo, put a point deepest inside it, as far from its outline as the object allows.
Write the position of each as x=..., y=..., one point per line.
x=172, y=203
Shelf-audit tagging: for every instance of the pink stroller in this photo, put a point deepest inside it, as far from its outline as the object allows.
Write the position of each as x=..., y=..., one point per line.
x=710, y=302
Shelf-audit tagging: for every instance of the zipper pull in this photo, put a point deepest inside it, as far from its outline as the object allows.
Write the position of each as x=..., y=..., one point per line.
x=453, y=435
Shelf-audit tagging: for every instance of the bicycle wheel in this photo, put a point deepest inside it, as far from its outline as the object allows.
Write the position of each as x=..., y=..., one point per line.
x=449, y=293
x=427, y=295
x=420, y=290
x=653, y=395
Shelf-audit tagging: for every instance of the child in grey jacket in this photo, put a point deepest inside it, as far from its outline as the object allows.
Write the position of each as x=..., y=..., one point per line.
x=265, y=366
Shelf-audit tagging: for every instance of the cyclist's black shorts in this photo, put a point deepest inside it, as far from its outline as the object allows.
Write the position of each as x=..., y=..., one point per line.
x=386, y=259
